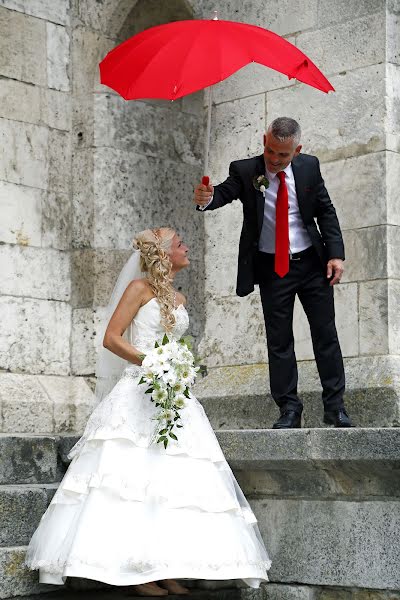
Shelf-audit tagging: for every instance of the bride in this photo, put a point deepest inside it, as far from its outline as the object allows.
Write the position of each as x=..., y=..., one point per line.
x=129, y=512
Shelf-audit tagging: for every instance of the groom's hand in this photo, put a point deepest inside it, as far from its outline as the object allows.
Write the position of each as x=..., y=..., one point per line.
x=203, y=194
x=334, y=270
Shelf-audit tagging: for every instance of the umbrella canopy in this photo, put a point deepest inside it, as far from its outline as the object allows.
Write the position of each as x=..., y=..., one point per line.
x=176, y=59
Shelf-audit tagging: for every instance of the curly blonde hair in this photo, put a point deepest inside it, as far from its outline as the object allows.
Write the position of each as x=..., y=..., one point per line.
x=154, y=245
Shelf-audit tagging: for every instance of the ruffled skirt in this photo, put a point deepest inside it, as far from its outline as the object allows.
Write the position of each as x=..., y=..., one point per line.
x=129, y=511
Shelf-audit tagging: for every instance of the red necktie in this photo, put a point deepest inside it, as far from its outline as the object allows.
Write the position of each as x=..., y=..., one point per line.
x=282, y=228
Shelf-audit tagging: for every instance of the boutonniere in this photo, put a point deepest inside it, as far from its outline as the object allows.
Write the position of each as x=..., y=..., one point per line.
x=260, y=182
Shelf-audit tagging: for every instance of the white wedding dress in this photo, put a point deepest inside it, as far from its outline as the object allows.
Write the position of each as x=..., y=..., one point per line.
x=129, y=511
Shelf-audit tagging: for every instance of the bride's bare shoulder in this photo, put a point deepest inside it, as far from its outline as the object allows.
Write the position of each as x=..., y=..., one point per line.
x=139, y=289
x=180, y=298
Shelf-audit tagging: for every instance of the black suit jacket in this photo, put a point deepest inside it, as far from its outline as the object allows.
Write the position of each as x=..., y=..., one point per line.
x=314, y=204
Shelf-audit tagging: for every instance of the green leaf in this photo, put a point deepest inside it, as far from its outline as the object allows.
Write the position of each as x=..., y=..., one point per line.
x=180, y=426
x=156, y=345
x=165, y=340
x=163, y=431
x=186, y=393
x=142, y=380
x=149, y=391
x=173, y=436
x=165, y=443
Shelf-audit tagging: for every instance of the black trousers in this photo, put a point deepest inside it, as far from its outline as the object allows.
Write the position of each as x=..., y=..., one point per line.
x=306, y=278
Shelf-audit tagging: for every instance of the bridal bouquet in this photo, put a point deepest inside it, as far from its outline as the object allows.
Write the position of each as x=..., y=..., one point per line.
x=169, y=372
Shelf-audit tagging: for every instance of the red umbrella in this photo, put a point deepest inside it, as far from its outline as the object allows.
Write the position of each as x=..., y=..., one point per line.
x=172, y=60
x=176, y=59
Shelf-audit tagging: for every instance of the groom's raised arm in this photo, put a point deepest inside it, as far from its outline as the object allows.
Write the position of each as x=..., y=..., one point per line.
x=210, y=198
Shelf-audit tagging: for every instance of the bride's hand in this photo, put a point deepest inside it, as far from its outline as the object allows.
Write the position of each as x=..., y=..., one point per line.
x=203, y=194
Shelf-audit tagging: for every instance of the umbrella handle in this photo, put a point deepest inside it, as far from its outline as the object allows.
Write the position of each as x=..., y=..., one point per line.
x=205, y=180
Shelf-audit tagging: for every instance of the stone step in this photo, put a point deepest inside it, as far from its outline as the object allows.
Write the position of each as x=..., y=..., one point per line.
x=21, y=508
x=28, y=458
x=17, y=580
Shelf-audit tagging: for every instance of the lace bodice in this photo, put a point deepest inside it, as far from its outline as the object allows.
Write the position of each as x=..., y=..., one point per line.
x=146, y=327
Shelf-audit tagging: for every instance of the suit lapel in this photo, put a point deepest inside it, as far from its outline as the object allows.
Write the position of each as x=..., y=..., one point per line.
x=259, y=169
x=299, y=180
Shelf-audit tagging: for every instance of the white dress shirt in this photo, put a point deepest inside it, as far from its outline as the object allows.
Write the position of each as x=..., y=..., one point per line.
x=299, y=238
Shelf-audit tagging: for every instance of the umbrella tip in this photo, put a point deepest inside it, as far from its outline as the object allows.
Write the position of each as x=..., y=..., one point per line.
x=215, y=17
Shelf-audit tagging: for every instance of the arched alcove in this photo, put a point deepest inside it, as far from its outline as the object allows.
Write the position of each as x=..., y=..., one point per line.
x=135, y=164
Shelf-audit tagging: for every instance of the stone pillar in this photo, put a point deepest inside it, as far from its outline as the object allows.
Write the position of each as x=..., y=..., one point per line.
x=354, y=134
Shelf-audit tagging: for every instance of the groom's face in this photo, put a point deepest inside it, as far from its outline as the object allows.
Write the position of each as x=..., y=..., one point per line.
x=278, y=155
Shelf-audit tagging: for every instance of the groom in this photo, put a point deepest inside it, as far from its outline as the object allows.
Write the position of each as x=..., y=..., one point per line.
x=285, y=253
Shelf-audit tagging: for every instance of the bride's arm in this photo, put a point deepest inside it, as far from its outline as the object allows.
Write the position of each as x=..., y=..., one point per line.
x=136, y=295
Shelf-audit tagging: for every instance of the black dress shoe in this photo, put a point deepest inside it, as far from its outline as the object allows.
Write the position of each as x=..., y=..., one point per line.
x=338, y=418
x=290, y=419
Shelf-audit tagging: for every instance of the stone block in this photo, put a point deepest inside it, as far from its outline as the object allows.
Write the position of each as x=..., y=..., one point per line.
x=35, y=335
x=21, y=510
x=28, y=106
x=327, y=121
x=392, y=107
x=346, y=46
x=276, y=591
x=87, y=50
x=359, y=182
x=35, y=272
x=150, y=129
x=283, y=17
x=392, y=32
x=234, y=331
x=73, y=402
x=336, y=542
x=59, y=161
x=392, y=187
x=56, y=220
x=21, y=209
x=55, y=109
x=251, y=80
x=82, y=200
x=393, y=251
x=23, y=153
x=237, y=130
x=15, y=577
x=373, y=303
x=22, y=47
x=107, y=16
x=128, y=198
x=193, y=103
x=366, y=254
x=26, y=406
x=394, y=315
x=28, y=459
x=346, y=11
x=83, y=352
x=49, y=10
x=57, y=57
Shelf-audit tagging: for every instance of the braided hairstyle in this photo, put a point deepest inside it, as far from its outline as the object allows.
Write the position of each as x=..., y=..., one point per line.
x=155, y=262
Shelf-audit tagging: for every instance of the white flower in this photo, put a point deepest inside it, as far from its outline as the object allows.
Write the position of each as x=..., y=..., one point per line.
x=168, y=415
x=179, y=401
x=262, y=188
x=159, y=395
x=178, y=387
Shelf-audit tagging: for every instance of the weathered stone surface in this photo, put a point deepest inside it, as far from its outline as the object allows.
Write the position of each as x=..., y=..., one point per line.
x=393, y=251
x=336, y=542
x=55, y=109
x=34, y=272
x=281, y=17
x=59, y=165
x=28, y=106
x=274, y=591
x=57, y=57
x=233, y=330
x=237, y=129
x=26, y=406
x=392, y=187
x=50, y=10
x=21, y=509
x=73, y=402
x=394, y=316
x=363, y=205
x=373, y=301
x=23, y=153
x=129, y=176
x=21, y=219
x=19, y=34
x=153, y=130
x=327, y=121
x=392, y=32
x=344, y=11
x=83, y=198
x=26, y=459
x=83, y=352
x=56, y=220
x=35, y=335
x=393, y=107
x=366, y=254
x=15, y=578
x=350, y=45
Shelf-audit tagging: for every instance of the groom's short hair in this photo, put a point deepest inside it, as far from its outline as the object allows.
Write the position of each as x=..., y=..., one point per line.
x=283, y=128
